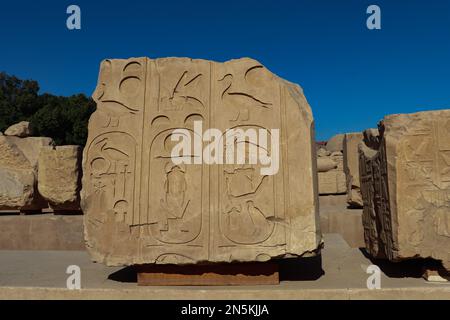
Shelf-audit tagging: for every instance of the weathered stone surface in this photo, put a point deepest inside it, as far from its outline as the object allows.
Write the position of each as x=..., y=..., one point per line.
x=406, y=188
x=325, y=164
x=59, y=176
x=330, y=172
x=21, y=129
x=332, y=182
x=351, y=168
x=142, y=208
x=11, y=156
x=18, y=190
x=336, y=143
x=16, y=177
x=371, y=138
x=322, y=152
x=31, y=147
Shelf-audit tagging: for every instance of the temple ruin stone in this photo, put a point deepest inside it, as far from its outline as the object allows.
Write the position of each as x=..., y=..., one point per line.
x=405, y=184
x=18, y=175
x=336, y=143
x=59, y=176
x=21, y=129
x=351, y=168
x=330, y=172
x=140, y=207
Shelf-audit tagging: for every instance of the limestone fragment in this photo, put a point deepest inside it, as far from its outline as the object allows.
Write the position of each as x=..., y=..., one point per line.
x=406, y=187
x=21, y=129
x=141, y=207
x=16, y=189
x=59, y=176
x=17, y=178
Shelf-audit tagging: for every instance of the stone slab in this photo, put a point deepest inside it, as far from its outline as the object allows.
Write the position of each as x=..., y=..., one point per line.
x=406, y=187
x=141, y=207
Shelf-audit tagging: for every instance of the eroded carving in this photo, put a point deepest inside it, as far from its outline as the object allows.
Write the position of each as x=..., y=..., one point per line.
x=407, y=200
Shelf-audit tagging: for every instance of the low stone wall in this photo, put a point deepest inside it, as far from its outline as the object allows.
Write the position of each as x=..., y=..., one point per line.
x=41, y=232
x=65, y=232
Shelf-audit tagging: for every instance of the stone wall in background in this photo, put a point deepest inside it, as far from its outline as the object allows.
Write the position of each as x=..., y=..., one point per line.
x=331, y=176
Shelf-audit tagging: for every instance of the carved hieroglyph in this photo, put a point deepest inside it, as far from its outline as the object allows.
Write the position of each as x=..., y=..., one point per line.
x=405, y=177
x=142, y=208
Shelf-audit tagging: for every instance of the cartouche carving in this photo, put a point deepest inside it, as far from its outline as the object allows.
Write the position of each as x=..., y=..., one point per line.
x=142, y=207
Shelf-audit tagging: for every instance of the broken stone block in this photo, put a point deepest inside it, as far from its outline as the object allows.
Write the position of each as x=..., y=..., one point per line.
x=336, y=143
x=325, y=164
x=144, y=205
x=16, y=189
x=59, y=176
x=17, y=179
x=21, y=129
x=332, y=182
x=371, y=138
x=406, y=188
x=351, y=168
x=330, y=172
x=31, y=147
x=322, y=152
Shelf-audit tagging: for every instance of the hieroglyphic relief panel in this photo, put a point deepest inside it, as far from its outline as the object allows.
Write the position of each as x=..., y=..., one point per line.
x=176, y=206
x=412, y=207
x=111, y=160
x=141, y=206
x=247, y=98
x=377, y=220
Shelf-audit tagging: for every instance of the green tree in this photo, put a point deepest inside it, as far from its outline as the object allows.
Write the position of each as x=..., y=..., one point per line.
x=17, y=99
x=64, y=119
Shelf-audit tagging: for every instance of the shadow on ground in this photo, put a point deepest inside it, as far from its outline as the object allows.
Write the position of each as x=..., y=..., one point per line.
x=301, y=269
x=127, y=274
x=413, y=268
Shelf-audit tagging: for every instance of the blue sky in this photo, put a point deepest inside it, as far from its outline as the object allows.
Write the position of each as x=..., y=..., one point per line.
x=351, y=76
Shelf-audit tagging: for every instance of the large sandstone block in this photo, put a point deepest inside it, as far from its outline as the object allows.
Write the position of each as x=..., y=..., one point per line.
x=31, y=147
x=16, y=189
x=17, y=178
x=59, y=176
x=140, y=207
x=406, y=187
x=351, y=168
x=332, y=182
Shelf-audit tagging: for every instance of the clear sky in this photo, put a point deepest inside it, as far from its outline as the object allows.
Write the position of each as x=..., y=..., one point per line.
x=351, y=76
